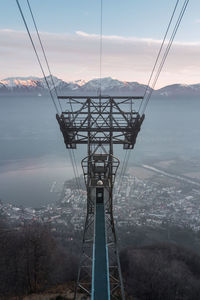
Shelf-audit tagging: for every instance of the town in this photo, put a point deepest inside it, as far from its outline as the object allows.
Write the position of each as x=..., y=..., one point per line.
x=151, y=200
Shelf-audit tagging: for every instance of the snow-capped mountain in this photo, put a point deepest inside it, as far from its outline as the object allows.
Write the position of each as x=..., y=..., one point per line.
x=109, y=86
x=12, y=82
x=59, y=84
x=179, y=90
x=80, y=82
x=34, y=83
x=106, y=83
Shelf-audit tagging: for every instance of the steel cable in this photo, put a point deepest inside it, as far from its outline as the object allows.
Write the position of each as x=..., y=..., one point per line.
x=38, y=59
x=165, y=54
x=71, y=155
x=74, y=170
x=100, y=47
x=159, y=52
x=43, y=51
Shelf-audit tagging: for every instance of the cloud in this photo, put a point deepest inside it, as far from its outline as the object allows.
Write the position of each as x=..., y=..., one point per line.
x=75, y=56
x=114, y=37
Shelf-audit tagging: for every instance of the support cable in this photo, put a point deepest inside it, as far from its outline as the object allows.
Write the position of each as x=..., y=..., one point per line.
x=43, y=51
x=42, y=69
x=122, y=171
x=159, y=53
x=166, y=52
x=74, y=170
x=78, y=177
x=125, y=165
x=127, y=161
x=124, y=168
x=100, y=47
x=38, y=59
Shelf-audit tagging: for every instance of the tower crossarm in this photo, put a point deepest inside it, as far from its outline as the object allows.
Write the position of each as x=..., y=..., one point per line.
x=98, y=117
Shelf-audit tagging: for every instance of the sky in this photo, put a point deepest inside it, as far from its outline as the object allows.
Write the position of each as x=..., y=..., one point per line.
x=132, y=34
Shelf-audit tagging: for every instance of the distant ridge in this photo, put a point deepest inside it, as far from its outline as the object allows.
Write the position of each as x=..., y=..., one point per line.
x=36, y=85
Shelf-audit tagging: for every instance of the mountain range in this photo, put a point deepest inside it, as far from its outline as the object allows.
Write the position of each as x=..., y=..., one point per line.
x=109, y=86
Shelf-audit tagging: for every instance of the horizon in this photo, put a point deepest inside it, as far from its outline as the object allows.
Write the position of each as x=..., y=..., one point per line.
x=83, y=81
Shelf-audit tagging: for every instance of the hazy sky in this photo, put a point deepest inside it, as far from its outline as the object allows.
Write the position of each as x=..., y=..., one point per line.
x=132, y=32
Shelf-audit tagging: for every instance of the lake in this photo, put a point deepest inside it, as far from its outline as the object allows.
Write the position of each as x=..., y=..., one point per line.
x=34, y=162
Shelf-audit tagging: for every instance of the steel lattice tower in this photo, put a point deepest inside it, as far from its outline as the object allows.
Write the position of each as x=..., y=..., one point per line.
x=100, y=122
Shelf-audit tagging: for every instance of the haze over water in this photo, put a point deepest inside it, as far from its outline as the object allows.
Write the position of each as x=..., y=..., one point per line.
x=33, y=155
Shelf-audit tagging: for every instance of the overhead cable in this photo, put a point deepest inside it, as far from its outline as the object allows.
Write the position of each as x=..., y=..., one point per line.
x=166, y=52
x=71, y=155
x=74, y=170
x=124, y=168
x=100, y=47
x=38, y=59
x=164, y=55
x=159, y=52
x=43, y=51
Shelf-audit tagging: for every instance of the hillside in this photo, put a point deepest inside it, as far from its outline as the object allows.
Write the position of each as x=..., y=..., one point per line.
x=38, y=263
x=161, y=271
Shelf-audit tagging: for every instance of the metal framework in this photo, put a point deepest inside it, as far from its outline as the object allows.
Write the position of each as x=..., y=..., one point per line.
x=100, y=122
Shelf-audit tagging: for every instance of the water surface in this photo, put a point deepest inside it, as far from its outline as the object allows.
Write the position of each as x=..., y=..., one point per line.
x=33, y=155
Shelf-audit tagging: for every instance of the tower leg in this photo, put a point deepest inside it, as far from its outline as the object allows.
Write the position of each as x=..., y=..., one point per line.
x=99, y=273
